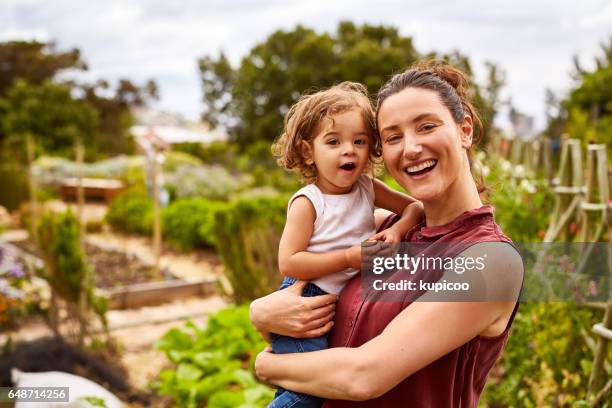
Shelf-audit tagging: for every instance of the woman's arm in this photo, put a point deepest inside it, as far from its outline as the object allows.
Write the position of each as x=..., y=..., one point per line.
x=294, y=260
x=404, y=347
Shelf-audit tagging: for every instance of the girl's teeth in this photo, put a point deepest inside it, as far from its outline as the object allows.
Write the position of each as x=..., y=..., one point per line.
x=421, y=166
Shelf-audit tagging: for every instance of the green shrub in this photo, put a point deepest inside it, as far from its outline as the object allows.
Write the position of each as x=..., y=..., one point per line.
x=203, y=181
x=188, y=223
x=67, y=273
x=547, y=361
x=213, y=365
x=175, y=160
x=247, y=233
x=522, y=208
x=131, y=212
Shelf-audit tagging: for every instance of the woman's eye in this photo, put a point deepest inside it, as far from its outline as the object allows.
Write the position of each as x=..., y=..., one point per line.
x=392, y=138
x=427, y=127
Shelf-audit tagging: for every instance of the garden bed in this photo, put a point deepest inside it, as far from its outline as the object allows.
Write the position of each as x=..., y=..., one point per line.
x=111, y=268
x=130, y=282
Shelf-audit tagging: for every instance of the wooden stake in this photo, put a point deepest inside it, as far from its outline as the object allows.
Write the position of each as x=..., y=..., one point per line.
x=569, y=190
x=82, y=305
x=156, y=214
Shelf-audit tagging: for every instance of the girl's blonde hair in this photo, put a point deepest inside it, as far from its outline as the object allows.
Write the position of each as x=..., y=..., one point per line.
x=302, y=124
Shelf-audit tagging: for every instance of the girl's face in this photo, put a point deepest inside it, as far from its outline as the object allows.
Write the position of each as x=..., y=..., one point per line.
x=340, y=151
x=423, y=148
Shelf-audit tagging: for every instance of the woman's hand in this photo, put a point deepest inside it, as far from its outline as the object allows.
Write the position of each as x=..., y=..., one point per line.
x=287, y=313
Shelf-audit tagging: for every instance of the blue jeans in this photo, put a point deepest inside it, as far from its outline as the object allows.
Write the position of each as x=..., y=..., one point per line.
x=283, y=344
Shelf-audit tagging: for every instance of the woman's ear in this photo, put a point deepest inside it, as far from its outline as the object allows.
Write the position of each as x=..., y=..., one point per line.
x=467, y=130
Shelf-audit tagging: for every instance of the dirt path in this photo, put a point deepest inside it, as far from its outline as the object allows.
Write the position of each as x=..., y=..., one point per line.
x=143, y=327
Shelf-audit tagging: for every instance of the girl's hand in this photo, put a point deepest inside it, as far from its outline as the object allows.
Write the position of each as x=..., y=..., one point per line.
x=353, y=256
x=287, y=313
x=391, y=234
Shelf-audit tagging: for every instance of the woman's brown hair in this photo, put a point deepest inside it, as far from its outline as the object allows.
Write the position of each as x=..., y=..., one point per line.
x=302, y=124
x=453, y=88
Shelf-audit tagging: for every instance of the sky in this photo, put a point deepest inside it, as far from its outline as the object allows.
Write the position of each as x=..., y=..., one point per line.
x=533, y=41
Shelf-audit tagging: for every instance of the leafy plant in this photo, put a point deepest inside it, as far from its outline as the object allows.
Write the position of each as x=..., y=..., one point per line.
x=189, y=223
x=66, y=271
x=213, y=365
x=247, y=233
x=131, y=212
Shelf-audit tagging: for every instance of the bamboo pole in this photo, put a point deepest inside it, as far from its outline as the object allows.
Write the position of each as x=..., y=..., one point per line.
x=569, y=190
x=156, y=214
x=80, y=190
x=596, y=377
x=596, y=201
x=82, y=302
x=31, y=150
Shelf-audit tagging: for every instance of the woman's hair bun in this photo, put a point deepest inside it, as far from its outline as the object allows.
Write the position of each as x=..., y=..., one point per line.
x=448, y=73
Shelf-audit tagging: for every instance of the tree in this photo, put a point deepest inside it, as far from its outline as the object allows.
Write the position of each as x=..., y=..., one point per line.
x=217, y=81
x=29, y=69
x=587, y=110
x=49, y=113
x=34, y=62
x=277, y=71
x=251, y=100
x=113, y=107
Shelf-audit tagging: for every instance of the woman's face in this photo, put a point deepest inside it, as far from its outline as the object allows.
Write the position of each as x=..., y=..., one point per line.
x=423, y=148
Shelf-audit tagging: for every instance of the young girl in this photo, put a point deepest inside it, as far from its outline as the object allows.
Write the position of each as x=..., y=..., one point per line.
x=329, y=140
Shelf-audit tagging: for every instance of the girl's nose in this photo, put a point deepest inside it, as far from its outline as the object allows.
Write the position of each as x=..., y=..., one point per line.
x=348, y=148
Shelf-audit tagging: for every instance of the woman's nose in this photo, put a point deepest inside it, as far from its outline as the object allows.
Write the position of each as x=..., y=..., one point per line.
x=412, y=148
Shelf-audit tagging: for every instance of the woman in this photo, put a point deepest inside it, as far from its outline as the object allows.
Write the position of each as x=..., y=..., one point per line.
x=425, y=353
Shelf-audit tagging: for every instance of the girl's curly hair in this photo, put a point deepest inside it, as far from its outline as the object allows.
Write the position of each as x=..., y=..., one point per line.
x=302, y=124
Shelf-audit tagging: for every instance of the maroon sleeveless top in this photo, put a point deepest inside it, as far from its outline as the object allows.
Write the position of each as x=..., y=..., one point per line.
x=454, y=380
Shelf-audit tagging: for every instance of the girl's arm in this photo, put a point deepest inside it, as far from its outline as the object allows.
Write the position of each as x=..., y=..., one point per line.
x=419, y=335
x=390, y=199
x=410, y=209
x=295, y=261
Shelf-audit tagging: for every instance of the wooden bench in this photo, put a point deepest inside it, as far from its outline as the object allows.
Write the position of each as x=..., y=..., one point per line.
x=100, y=189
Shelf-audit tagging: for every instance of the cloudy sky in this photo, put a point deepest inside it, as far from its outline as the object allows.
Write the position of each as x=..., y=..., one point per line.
x=534, y=41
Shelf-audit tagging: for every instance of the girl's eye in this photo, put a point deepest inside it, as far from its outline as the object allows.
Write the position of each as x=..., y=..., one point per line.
x=332, y=142
x=361, y=141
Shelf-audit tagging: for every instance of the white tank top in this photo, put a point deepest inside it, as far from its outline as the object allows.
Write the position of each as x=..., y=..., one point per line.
x=342, y=220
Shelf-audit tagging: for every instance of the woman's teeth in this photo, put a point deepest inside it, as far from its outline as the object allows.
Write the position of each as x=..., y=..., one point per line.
x=421, y=166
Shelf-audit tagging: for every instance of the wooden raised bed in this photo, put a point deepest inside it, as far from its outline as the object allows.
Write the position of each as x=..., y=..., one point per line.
x=154, y=293
x=104, y=189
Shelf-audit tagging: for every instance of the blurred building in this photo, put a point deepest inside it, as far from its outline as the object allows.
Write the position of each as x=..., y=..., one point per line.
x=169, y=129
x=522, y=125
